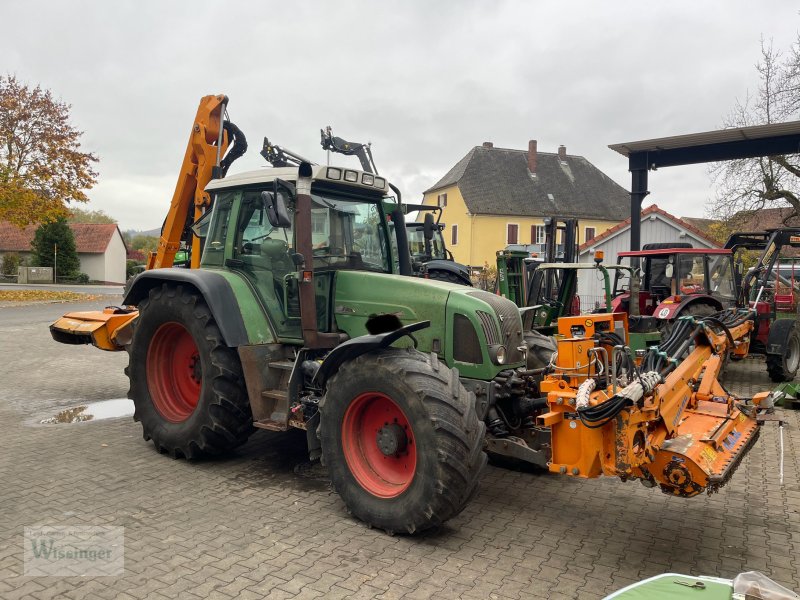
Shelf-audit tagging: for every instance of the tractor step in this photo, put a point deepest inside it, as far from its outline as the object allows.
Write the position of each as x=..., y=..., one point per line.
x=286, y=365
x=270, y=425
x=274, y=394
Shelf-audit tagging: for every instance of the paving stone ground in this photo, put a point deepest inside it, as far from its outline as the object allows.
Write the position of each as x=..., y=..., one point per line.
x=260, y=525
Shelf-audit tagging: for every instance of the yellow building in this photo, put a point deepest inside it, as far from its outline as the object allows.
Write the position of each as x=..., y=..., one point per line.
x=495, y=197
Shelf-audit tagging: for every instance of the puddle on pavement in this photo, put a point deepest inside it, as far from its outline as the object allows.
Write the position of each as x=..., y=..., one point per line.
x=94, y=411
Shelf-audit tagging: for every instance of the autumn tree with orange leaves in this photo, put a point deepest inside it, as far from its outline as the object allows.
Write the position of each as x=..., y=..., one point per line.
x=42, y=168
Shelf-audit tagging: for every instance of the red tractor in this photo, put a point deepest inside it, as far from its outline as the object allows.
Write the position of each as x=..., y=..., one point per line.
x=678, y=280
x=777, y=332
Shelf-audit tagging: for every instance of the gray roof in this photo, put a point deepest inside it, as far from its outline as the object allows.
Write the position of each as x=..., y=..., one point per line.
x=497, y=181
x=718, y=136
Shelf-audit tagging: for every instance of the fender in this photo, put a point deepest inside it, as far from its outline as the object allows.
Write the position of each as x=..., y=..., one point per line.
x=215, y=289
x=778, y=334
x=362, y=345
x=457, y=269
x=670, y=309
x=616, y=302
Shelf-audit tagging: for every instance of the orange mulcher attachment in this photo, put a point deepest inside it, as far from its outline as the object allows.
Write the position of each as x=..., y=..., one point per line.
x=666, y=420
x=108, y=330
x=205, y=159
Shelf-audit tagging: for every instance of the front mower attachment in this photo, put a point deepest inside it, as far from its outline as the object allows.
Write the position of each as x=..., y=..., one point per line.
x=109, y=329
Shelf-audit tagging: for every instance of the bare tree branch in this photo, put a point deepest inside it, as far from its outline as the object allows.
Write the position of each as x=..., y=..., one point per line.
x=748, y=185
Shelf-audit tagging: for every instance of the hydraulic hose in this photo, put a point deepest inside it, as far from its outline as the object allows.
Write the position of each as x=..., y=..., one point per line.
x=235, y=150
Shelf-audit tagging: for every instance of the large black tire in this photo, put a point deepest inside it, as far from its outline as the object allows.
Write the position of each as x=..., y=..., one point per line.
x=441, y=428
x=186, y=384
x=783, y=366
x=440, y=275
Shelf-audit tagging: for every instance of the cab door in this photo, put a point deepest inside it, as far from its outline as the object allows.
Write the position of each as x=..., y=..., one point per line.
x=263, y=255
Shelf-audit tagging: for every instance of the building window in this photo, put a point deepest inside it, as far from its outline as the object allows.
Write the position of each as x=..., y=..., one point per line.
x=441, y=200
x=537, y=234
x=512, y=233
x=453, y=235
x=588, y=234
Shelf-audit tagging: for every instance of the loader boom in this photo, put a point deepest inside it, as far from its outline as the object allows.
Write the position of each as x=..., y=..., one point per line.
x=208, y=143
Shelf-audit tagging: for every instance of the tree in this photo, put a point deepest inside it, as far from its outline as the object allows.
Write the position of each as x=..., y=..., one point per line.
x=42, y=168
x=78, y=215
x=56, y=239
x=143, y=243
x=753, y=184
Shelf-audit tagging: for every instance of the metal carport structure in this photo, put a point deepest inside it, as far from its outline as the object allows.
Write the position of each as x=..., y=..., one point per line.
x=710, y=146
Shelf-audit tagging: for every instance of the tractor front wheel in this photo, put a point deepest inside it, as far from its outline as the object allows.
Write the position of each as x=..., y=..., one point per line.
x=401, y=440
x=784, y=335
x=186, y=384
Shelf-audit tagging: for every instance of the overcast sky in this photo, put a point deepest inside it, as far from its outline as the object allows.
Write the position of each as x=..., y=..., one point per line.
x=423, y=81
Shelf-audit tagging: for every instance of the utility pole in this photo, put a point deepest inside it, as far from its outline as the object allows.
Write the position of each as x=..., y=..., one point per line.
x=55, y=263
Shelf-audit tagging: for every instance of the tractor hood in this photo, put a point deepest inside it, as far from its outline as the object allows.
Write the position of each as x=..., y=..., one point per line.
x=468, y=326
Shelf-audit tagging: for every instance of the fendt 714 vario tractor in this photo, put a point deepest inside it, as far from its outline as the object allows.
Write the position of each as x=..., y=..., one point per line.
x=296, y=313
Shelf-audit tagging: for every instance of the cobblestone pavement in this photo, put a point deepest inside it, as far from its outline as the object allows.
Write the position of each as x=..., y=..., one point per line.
x=259, y=525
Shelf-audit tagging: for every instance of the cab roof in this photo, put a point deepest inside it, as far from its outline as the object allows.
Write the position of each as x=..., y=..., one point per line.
x=332, y=174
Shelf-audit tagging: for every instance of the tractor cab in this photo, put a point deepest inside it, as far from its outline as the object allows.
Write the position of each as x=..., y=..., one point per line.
x=252, y=232
x=416, y=243
x=675, y=278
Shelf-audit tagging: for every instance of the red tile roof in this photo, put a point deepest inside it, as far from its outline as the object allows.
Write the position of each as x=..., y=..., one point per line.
x=90, y=238
x=652, y=209
x=93, y=238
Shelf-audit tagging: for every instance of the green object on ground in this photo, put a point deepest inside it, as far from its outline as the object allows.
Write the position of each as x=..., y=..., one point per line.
x=791, y=395
x=663, y=587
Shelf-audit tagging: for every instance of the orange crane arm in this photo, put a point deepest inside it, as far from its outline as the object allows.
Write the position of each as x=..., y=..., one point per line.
x=208, y=143
x=206, y=158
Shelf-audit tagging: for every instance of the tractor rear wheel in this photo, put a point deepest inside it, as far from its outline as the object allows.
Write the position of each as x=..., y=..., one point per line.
x=401, y=440
x=186, y=384
x=783, y=366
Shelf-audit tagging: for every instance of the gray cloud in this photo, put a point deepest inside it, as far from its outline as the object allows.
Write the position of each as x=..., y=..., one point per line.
x=423, y=81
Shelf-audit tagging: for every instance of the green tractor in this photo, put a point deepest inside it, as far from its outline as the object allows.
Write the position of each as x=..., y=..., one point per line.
x=301, y=317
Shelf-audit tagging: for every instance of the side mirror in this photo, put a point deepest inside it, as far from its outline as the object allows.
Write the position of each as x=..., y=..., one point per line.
x=668, y=270
x=275, y=205
x=428, y=226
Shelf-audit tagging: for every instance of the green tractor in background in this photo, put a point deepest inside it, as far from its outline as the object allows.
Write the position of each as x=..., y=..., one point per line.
x=546, y=289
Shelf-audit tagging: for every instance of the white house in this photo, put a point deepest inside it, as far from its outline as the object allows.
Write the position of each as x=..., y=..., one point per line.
x=101, y=249
x=658, y=226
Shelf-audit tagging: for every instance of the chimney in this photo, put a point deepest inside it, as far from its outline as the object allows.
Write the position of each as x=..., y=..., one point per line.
x=532, y=157
x=562, y=153
x=488, y=145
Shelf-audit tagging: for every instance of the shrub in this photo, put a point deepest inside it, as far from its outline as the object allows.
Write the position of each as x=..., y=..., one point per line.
x=11, y=263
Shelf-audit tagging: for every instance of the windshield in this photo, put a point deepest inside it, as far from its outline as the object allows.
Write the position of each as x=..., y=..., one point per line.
x=721, y=272
x=348, y=234
x=690, y=274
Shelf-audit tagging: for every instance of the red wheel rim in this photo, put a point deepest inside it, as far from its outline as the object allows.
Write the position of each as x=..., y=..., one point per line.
x=174, y=373
x=370, y=428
